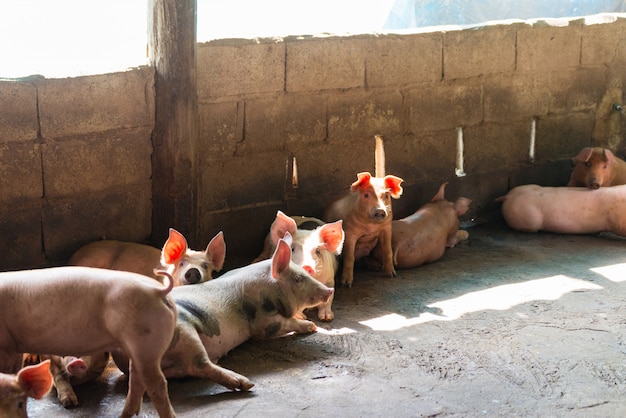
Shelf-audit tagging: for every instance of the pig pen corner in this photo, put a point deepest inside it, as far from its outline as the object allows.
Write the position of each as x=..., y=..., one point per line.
x=504, y=324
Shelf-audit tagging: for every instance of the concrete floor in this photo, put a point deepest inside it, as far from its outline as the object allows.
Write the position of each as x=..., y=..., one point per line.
x=505, y=324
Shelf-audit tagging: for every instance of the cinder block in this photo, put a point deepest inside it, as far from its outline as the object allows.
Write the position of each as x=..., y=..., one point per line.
x=323, y=64
x=401, y=60
x=563, y=136
x=219, y=130
x=548, y=48
x=516, y=97
x=124, y=214
x=482, y=51
x=604, y=43
x=577, y=90
x=84, y=105
x=20, y=172
x=365, y=114
x=97, y=163
x=20, y=229
x=444, y=106
x=237, y=67
x=242, y=181
x=18, y=111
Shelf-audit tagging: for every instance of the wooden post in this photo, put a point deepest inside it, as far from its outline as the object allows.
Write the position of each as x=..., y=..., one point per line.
x=172, y=52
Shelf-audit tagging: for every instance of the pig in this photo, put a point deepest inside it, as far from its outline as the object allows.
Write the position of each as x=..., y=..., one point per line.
x=366, y=213
x=83, y=310
x=424, y=236
x=255, y=301
x=185, y=265
x=565, y=210
x=31, y=382
x=314, y=250
x=597, y=167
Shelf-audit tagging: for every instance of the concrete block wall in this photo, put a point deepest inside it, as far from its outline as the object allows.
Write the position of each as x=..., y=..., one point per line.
x=74, y=164
x=321, y=100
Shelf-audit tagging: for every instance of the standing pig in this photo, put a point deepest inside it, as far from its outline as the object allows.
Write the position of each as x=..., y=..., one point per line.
x=366, y=214
x=82, y=310
x=31, y=382
x=597, y=167
x=566, y=210
x=185, y=265
x=423, y=236
x=259, y=300
x=314, y=250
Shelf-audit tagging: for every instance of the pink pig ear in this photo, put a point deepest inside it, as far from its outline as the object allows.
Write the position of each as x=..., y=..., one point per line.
x=363, y=180
x=393, y=184
x=174, y=248
x=281, y=225
x=36, y=380
x=584, y=154
x=281, y=258
x=440, y=194
x=217, y=251
x=608, y=156
x=332, y=236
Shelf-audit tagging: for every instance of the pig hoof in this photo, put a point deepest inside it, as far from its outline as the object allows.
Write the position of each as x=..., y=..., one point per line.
x=68, y=399
x=326, y=316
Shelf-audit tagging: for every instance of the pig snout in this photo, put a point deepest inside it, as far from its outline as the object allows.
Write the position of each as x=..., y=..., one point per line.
x=593, y=183
x=75, y=366
x=378, y=214
x=193, y=276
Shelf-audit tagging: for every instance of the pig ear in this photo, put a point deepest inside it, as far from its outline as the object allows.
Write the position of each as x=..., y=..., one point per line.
x=281, y=225
x=440, y=193
x=174, y=248
x=363, y=180
x=332, y=236
x=393, y=184
x=217, y=251
x=281, y=258
x=608, y=156
x=584, y=154
x=36, y=380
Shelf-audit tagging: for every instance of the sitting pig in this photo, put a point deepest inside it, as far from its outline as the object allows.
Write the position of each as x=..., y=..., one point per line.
x=597, y=167
x=185, y=265
x=259, y=300
x=82, y=310
x=315, y=250
x=423, y=236
x=566, y=210
x=31, y=382
x=366, y=214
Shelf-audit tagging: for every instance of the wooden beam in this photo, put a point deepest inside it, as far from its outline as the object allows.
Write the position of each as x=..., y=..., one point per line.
x=172, y=52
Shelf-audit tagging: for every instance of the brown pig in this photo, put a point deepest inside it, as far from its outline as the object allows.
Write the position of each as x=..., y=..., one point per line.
x=366, y=214
x=83, y=310
x=423, y=236
x=565, y=210
x=31, y=382
x=597, y=167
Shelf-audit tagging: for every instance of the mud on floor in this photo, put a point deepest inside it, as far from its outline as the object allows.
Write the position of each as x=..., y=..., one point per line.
x=505, y=324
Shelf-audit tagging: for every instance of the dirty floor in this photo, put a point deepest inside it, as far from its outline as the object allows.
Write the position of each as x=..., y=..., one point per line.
x=505, y=324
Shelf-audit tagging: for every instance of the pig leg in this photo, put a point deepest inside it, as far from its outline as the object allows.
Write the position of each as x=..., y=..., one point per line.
x=456, y=237
x=146, y=376
x=324, y=310
x=385, y=244
x=347, y=274
x=65, y=391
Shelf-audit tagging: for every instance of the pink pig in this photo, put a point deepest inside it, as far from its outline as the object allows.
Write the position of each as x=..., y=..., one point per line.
x=597, y=167
x=423, y=236
x=366, y=214
x=31, y=382
x=314, y=250
x=565, y=210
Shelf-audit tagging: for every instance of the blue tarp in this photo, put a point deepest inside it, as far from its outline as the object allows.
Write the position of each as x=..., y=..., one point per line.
x=421, y=13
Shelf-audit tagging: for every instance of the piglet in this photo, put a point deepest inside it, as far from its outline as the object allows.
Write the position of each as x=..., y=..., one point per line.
x=424, y=236
x=31, y=382
x=597, y=167
x=566, y=210
x=256, y=301
x=315, y=250
x=366, y=214
x=185, y=265
x=82, y=310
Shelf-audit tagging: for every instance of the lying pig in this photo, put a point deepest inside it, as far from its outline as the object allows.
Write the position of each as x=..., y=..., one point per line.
x=31, y=382
x=185, y=265
x=597, y=167
x=366, y=214
x=315, y=250
x=83, y=310
x=423, y=236
x=566, y=210
x=259, y=300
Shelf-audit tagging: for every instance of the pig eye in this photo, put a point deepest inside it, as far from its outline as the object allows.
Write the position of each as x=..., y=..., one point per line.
x=366, y=195
x=20, y=405
x=318, y=252
x=298, y=279
x=205, y=266
x=587, y=164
